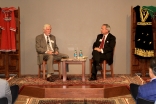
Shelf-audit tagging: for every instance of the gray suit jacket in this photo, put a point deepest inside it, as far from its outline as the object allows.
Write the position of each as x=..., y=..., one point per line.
x=41, y=46
x=5, y=90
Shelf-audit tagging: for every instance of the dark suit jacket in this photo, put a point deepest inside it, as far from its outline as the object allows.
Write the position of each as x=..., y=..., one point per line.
x=147, y=91
x=41, y=46
x=108, y=47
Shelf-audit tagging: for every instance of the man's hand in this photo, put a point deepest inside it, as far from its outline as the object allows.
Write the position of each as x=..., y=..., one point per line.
x=97, y=49
x=50, y=52
x=56, y=53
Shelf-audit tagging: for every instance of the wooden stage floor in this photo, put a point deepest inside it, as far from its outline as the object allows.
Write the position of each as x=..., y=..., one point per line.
x=74, y=91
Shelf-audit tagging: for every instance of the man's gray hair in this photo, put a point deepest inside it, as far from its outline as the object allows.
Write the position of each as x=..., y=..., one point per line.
x=46, y=25
x=107, y=27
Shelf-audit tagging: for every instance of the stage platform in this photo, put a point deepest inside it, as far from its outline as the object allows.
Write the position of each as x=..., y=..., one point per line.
x=74, y=91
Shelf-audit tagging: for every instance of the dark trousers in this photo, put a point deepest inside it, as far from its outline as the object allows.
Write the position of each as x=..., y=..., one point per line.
x=143, y=101
x=134, y=90
x=97, y=59
x=3, y=100
x=14, y=91
x=134, y=93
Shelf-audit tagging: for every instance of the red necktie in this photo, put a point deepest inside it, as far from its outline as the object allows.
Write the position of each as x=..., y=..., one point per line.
x=102, y=43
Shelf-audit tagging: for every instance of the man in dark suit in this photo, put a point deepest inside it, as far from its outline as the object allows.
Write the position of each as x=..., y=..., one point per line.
x=146, y=91
x=103, y=49
x=47, y=50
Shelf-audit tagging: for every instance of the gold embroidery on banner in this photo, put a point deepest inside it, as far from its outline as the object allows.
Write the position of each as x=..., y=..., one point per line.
x=144, y=53
x=143, y=14
x=138, y=39
x=144, y=23
x=150, y=42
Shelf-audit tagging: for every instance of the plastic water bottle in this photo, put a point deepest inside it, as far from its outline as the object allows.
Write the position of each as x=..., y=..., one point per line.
x=75, y=54
x=80, y=54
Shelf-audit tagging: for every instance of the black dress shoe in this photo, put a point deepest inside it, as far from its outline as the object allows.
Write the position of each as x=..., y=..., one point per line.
x=50, y=79
x=98, y=67
x=92, y=78
x=67, y=78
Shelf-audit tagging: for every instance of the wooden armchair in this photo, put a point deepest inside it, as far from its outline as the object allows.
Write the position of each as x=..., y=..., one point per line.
x=104, y=70
x=42, y=68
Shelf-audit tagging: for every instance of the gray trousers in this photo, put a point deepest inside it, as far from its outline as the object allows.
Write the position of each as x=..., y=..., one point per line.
x=51, y=58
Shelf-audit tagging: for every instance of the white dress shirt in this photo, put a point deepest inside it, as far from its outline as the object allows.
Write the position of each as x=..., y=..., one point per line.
x=49, y=42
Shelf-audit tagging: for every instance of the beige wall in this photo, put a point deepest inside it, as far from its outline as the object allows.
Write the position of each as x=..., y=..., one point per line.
x=75, y=24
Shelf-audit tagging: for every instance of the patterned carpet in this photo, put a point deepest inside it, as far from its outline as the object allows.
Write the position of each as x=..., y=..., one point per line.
x=126, y=99
x=76, y=101
x=76, y=80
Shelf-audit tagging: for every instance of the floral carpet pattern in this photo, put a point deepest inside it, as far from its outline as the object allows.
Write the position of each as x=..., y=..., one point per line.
x=75, y=80
x=76, y=101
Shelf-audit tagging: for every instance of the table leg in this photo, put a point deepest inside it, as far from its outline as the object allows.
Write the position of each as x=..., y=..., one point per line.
x=83, y=71
x=64, y=71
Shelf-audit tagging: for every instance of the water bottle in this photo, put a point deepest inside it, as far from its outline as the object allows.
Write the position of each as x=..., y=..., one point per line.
x=75, y=54
x=80, y=54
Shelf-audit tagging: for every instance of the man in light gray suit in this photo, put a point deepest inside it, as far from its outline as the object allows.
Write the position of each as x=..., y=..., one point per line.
x=5, y=90
x=47, y=50
x=11, y=93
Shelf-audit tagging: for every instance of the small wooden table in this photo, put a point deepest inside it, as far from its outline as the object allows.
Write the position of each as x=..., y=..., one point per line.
x=73, y=61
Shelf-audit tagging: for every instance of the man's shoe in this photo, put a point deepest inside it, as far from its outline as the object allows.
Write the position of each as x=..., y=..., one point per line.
x=98, y=67
x=92, y=78
x=50, y=79
x=67, y=78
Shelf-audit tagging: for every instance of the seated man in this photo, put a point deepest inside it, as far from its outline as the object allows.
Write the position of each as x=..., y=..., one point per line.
x=11, y=93
x=146, y=91
x=47, y=50
x=103, y=49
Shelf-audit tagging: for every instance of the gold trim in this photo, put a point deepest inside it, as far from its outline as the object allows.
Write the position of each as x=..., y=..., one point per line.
x=144, y=23
x=142, y=13
x=144, y=53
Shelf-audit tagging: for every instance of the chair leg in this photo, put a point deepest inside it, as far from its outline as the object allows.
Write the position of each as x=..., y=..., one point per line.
x=111, y=68
x=90, y=66
x=39, y=70
x=43, y=68
x=104, y=70
x=59, y=67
